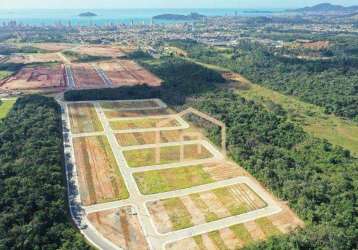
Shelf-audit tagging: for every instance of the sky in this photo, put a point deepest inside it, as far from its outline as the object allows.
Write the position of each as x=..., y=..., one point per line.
x=119, y=4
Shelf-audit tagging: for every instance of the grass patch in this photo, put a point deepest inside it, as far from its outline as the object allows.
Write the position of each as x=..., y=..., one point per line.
x=5, y=73
x=241, y=232
x=5, y=107
x=199, y=242
x=178, y=214
x=146, y=157
x=143, y=123
x=84, y=118
x=218, y=241
x=209, y=216
x=267, y=227
x=229, y=201
x=152, y=182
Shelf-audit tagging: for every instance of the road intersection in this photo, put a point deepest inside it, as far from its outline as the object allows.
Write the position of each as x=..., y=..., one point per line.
x=137, y=200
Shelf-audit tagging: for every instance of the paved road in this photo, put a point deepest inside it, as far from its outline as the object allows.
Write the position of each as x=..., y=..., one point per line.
x=69, y=77
x=138, y=201
x=103, y=75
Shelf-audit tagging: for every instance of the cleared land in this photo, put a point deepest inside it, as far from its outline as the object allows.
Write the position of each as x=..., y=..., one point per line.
x=158, y=181
x=142, y=138
x=128, y=73
x=117, y=114
x=200, y=208
x=33, y=78
x=85, y=76
x=171, y=154
x=53, y=47
x=144, y=123
x=34, y=58
x=100, y=50
x=119, y=106
x=84, y=118
x=121, y=226
x=98, y=174
x=5, y=106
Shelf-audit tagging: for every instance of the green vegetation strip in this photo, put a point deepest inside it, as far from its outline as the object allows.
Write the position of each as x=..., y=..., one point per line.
x=178, y=214
x=5, y=107
x=152, y=182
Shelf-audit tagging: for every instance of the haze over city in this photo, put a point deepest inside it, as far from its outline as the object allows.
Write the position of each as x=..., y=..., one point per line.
x=111, y=4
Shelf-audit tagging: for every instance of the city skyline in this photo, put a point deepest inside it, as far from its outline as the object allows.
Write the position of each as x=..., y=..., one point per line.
x=138, y=4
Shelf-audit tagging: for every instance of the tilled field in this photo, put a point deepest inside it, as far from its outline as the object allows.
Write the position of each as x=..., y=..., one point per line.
x=126, y=72
x=121, y=226
x=85, y=76
x=83, y=118
x=36, y=78
x=200, y=208
x=98, y=173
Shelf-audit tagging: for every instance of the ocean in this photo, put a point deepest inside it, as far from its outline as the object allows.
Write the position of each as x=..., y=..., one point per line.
x=120, y=16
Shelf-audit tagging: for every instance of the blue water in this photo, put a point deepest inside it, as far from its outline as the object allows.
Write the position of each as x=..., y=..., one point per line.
x=120, y=16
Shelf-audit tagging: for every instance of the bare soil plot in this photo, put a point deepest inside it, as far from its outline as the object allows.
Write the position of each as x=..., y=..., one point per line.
x=144, y=123
x=34, y=58
x=36, y=78
x=170, y=154
x=117, y=114
x=128, y=73
x=85, y=76
x=157, y=181
x=121, y=226
x=54, y=47
x=122, y=105
x=100, y=50
x=84, y=118
x=241, y=235
x=143, y=138
x=203, y=207
x=98, y=173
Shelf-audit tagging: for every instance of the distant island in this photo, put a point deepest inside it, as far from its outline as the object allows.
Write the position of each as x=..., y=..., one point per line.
x=259, y=11
x=87, y=14
x=176, y=17
x=327, y=7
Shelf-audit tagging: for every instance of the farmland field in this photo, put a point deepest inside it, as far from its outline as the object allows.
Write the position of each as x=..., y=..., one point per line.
x=98, y=173
x=200, y=208
x=83, y=118
x=121, y=227
x=126, y=72
x=171, y=154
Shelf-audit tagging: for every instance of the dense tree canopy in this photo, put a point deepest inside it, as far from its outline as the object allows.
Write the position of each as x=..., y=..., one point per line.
x=33, y=207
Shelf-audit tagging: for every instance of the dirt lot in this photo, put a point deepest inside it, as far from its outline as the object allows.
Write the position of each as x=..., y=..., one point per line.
x=100, y=50
x=54, y=47
x=144, y=123
x=132, y=139
x=85, y=76
x=121, y=226
x=119, y=114
x=98, y=174
x=126, y=72
x=118, y=106
x=34, y=58
x=83, y=118
x=200, y=208
x=172, y=154
x=32, y=78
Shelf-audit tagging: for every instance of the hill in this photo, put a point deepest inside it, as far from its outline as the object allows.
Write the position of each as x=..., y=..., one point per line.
x=190, y=17
x=87, y=14
x=327, y=7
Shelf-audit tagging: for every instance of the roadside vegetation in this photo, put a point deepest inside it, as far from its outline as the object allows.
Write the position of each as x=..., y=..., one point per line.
x=33, y=208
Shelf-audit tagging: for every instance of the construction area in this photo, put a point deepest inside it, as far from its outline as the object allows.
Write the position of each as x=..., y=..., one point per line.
x=100, y=50
x=38, y=77
x=148, y=178
x=86, y=76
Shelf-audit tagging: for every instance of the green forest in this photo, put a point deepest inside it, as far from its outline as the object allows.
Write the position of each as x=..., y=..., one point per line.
x=332, y=83
x=33, y=204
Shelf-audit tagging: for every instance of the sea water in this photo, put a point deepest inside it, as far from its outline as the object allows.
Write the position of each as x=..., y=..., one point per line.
x=104, y=17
